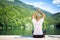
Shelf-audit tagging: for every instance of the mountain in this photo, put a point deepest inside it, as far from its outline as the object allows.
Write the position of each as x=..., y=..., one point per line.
x=56, y=16
x=12, y=14
x=17, y=15
x=17, y=2
x=17, y=11
x=30, y=7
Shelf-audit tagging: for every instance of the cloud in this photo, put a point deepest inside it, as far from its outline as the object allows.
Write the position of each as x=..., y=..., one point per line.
x=58, y=5
x=56, y=1
x=37, y=4
x=42, y=5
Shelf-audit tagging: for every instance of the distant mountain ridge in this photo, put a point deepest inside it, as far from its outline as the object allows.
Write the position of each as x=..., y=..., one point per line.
x=30, y=7
x=56, y=16
x=15, y=18
x=20, y=9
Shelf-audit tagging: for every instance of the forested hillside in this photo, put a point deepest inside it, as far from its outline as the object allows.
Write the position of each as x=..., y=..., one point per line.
x=17, y=15
x=56, y=16
x=13, y=16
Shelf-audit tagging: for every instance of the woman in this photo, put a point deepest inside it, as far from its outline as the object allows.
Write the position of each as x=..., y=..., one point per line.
x=38, y=22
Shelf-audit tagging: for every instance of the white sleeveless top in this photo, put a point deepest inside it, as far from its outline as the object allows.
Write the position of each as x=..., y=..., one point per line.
x=38, y=26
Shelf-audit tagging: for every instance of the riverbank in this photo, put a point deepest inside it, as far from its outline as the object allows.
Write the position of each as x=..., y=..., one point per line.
x=17, y=37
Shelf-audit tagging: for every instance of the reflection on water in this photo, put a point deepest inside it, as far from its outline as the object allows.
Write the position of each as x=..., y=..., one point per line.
x=51, y=30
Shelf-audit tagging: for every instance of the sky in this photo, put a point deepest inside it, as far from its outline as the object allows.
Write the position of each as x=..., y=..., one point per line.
x=52, y=6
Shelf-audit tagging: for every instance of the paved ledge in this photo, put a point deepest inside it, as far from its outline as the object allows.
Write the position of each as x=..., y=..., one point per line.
x=17, y=37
